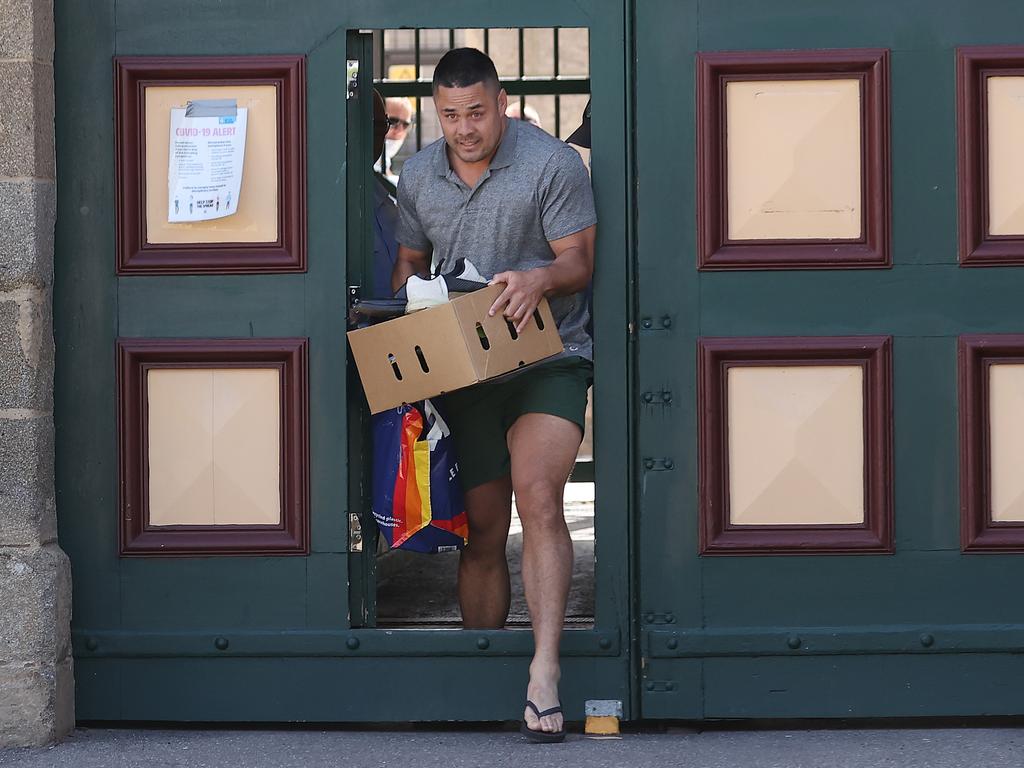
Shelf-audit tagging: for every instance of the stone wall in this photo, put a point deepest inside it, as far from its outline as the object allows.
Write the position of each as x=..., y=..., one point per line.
x=36, y=687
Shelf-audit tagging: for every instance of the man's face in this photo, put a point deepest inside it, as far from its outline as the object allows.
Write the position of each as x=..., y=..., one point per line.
x=472, y=120
x=398, y=109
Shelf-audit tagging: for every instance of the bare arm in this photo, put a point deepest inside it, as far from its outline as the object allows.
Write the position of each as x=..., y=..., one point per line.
x=570, y=272
x=407, y=264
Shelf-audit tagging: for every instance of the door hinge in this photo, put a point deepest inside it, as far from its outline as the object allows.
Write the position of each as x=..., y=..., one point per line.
x=352, y=78
x=652, y=464
x=664, y=397
x=355, y=533
x=653, y=617
x=662, y=323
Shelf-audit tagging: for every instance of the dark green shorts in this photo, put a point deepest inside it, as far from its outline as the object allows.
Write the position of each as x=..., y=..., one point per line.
x=481, y=415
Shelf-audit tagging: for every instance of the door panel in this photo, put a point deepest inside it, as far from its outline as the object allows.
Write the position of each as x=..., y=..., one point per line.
x=278, y=638
x=834, y=635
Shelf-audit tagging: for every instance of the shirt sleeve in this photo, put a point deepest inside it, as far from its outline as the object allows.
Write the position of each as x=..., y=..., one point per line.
x=410, y=230
x=566, y=198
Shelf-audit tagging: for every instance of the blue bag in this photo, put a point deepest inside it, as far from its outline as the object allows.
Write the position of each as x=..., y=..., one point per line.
x=417, y=498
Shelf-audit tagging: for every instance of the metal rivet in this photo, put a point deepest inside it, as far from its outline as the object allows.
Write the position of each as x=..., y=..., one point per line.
x=927, y=640
x=670, y=686
x=668, y=463
x=605, y=643
x=648, y=463
x=647, y=322
x=673, y=643
x=793, y=642
x=666, y=397
x=650, y=686
x=666, y=322
x=649, y=618
x=483, y=643
x=669, y=618
x=91, y=644
x=352, y=643
x=648, y=397
x=221, y=643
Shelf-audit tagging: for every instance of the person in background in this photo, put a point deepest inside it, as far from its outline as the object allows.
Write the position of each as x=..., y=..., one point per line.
x=528, y=113
x=581, y=136
x=400, y=119
x=518, y=202
x=385, y=210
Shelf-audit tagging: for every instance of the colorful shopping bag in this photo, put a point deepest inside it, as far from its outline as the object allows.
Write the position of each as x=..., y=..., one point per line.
x=417, y=499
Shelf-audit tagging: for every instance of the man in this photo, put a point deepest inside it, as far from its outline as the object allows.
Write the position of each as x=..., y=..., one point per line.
x=527, y=113
x=400, y=118
x=516, y=202
x=385, y=212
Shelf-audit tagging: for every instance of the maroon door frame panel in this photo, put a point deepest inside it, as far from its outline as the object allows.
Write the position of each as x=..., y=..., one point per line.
x=133, y=74
x=135, y=357
x=973, y=68
x=717, y=535
x=714, y=248
x=978, y=531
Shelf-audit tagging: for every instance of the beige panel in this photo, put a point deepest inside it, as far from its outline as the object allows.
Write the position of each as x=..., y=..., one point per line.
x=256, y=218
x=180, y=447
x=247, y=446
x=796, y=445
x=214, y=446
x=794, y=159
x=1005, y=155
x=1006, y=429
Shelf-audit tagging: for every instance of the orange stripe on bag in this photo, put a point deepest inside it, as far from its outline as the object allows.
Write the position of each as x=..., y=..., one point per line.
x=407, y=493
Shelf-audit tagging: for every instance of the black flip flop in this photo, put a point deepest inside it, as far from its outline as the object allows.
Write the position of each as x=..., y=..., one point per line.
x=542, y=737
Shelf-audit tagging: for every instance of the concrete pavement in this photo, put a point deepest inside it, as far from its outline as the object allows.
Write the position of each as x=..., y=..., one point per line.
x=493, y=747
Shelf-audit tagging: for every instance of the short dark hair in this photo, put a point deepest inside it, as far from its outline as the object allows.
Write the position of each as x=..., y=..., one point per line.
x=463, y=67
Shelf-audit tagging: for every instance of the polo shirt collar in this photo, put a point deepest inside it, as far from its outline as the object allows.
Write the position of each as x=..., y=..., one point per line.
x=507, y=148
x=502, y=158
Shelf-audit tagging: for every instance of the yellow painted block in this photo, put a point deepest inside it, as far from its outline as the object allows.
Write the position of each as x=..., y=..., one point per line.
x=602, y=725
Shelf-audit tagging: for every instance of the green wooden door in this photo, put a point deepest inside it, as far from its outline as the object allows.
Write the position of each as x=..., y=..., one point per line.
x=284, y=637
x=925, y=629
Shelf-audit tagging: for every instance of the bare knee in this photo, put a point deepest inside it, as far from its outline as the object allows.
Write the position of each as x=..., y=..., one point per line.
x=539, y=503
x=488, y=536
x=489, y=511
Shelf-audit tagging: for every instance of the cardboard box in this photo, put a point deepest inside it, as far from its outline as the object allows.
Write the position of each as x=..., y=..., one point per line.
x=445, y=348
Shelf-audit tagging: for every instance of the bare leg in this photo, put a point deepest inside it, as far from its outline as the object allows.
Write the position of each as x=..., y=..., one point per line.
x=484, y=591
x=543, y=449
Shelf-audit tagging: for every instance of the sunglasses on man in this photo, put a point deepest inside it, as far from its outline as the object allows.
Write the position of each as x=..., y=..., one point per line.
x=396, y=121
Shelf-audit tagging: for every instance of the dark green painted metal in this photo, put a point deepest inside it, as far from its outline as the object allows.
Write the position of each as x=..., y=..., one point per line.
x=534, y=86
x=756, y=636
x=162, y=594
x=361, y=203
x=332, y=689
x=669, y=575
x=368, y=643
x=207, y=306
x=834, y=641
x=85, y=303
x=225, y=600
x=748, y=631
x=873, y=685
x=583, y=472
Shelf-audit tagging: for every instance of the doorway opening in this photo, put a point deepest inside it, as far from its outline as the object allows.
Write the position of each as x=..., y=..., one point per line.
x=546, y=73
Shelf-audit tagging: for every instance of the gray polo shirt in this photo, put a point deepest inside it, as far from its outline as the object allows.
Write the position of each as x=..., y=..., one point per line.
x=535, y=190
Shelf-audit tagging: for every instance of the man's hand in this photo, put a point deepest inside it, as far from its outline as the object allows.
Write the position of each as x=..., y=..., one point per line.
x=568, y=273
x=522, y=294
